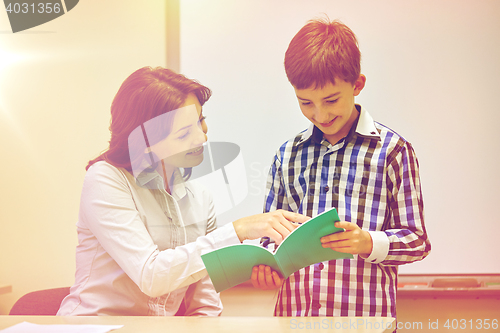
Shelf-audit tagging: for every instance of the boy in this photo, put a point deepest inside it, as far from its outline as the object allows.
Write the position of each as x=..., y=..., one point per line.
x=348, y=161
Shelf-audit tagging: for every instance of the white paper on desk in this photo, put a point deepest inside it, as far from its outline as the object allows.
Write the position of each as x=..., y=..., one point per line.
x=26, y=327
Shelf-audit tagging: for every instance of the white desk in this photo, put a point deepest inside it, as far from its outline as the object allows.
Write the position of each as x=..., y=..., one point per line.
x=4, y=289
x=217, y=324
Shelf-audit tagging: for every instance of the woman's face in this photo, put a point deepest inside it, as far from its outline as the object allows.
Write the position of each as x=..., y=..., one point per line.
x=182, y=148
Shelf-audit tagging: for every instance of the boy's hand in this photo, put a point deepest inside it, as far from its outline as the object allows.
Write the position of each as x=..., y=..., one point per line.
x=265, y=279
x=353, y=240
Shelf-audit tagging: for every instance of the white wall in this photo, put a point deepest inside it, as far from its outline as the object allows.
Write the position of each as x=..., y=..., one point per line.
x=57, y=82
x=433, y=76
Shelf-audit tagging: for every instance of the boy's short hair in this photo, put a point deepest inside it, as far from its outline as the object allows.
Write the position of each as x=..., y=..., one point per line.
x=321, y=52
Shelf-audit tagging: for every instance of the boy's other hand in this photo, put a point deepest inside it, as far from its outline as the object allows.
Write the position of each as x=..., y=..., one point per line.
x=275, y=225
x=264, y=278
x=353, y=240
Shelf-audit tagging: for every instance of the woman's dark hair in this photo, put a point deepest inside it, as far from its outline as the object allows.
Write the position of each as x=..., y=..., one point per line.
x=145, y=94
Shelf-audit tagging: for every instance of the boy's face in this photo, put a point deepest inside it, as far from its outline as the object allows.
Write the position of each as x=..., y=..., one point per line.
x=331, y=108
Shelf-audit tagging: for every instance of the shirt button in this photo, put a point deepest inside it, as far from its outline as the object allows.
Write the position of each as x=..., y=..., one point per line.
x=327, y=188
x=316, y=306
x=373, y=133
x=321, y=266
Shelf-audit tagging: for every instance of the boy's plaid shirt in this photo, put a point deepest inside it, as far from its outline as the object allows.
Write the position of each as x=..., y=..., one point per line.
x=372, y=178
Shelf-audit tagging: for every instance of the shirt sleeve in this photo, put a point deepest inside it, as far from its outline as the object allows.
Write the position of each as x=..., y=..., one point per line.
x=380, y=249
x=275, y=189
x=275, y=194
x=408, y=241
x=107, y=208
x=202, y=299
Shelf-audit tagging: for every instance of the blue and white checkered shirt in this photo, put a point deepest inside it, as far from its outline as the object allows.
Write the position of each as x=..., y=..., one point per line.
x=371, y=177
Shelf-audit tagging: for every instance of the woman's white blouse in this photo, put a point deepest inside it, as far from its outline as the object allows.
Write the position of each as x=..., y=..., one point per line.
x=139, y=247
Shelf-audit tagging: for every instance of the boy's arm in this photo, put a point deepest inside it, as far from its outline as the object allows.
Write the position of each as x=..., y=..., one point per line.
x=405, y=227
x=275, y=190
x=353, y=240
x=403, y=239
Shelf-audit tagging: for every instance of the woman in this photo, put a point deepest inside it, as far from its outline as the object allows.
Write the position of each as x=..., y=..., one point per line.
x=142, y=228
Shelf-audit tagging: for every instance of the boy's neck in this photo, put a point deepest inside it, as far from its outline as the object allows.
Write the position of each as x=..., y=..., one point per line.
x=334, y=138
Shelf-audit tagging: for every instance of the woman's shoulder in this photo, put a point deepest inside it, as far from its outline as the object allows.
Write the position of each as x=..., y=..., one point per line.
x=101, y=167
x=104, y=180
x=102, y=171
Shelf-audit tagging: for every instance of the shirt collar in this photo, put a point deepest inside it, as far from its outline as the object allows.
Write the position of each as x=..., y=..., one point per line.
x=365, y=126
x=153, y=180
x=146, y=177
x=178, y=185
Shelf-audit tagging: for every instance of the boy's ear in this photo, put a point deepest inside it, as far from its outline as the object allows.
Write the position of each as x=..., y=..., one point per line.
x=359, y=84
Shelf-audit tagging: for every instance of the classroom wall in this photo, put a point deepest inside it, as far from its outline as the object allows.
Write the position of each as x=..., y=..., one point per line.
x=57, y=82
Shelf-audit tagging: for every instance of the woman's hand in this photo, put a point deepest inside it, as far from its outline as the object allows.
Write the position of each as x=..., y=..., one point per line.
x=275, y=225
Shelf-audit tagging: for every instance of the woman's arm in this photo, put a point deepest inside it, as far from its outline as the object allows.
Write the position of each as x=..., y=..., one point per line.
x=201, y=299
x=107, y=208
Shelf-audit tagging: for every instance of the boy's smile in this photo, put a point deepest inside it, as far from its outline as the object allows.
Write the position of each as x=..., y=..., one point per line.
x=331, y=108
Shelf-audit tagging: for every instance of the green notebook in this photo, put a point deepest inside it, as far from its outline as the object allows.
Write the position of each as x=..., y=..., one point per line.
x=232, y=265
